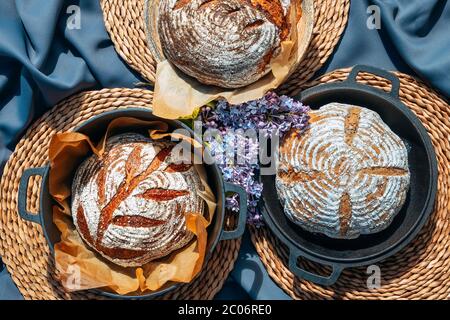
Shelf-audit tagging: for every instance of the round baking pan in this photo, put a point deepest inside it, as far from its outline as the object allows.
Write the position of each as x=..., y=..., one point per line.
x=97, y=125
x=366, y=249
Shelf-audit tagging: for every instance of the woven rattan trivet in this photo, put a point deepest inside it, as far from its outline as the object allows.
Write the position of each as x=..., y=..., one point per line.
x=124, y=20
x=23, y=247
x=422, y=269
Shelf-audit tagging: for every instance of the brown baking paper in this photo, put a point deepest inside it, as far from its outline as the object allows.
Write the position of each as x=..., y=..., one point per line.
x=79, y=267
x=178, y=95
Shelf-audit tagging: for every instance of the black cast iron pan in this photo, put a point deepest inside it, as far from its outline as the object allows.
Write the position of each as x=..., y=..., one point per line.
x=367, y=249
x=97, y=125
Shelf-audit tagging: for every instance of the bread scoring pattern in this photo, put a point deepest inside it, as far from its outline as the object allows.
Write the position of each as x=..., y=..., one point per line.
x=227, y=43
x=347, y=175
x=130, y=205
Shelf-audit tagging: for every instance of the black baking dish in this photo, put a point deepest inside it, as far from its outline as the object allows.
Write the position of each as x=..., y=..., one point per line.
x=367, y=249
x=98, y=124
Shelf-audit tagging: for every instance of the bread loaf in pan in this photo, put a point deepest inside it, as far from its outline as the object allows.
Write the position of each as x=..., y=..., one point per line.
x=347, y=175
x=129, y=205
x=226, y=43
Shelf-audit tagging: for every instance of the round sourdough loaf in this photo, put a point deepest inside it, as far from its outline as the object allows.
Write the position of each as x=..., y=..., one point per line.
x=130, y=204
x=346, y=175
x=227, y=43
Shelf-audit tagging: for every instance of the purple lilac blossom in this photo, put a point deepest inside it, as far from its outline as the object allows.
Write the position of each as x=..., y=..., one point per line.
x=273, y=115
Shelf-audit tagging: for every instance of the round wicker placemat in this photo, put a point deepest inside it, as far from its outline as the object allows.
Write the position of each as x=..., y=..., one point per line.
x=422, y=269
x=125, y=22
x=23, y=247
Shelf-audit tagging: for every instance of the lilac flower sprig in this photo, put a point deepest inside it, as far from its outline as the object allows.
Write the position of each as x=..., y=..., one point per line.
x=272, y=115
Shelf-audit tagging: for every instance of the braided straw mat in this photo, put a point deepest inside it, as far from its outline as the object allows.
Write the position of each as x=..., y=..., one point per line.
x=124, y=20
x=22, y=244
x=419, y=271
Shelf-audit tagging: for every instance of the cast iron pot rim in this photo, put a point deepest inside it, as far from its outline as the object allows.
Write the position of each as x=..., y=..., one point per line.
x=178, y=124
x=432, y=187
x=224, y=187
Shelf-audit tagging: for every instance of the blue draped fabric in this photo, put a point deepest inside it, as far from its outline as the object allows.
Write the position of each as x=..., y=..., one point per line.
x=42, y=61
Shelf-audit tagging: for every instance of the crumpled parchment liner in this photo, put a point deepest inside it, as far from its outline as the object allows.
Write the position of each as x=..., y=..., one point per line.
x=79, y=267
x=178, y=95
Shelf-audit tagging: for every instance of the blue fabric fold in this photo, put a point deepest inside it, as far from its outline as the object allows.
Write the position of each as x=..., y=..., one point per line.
x=419, y=32
x=42, y=61
x=8, y=290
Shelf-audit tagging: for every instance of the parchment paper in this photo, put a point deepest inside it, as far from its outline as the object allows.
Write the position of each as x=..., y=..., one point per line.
x=179, y=95
x=81, y=268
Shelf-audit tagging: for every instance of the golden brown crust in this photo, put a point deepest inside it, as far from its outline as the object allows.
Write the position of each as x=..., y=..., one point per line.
x=129, y=204
x=180, y=4
x=345, y=213
x=128, y=185
x=296, y=176
x=178, y=167
x=349, y=171
x=351, y=124
x=120, y=253
x=82, y=225
x=227, y=43
x=162, y=194
x=274, y=11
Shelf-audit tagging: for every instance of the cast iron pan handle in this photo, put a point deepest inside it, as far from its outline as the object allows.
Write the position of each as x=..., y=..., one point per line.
x=309, y=276
x=239, y=231
x=395, y=82
x=23, y=187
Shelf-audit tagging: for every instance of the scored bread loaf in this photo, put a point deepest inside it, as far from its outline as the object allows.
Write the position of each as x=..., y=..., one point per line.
x=130, y=204
x=346, y=175
x=227, y=43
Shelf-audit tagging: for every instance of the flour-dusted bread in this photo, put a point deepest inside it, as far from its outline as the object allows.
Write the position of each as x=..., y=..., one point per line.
x=130, y=204
x=347, y=175
x=227, y=43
